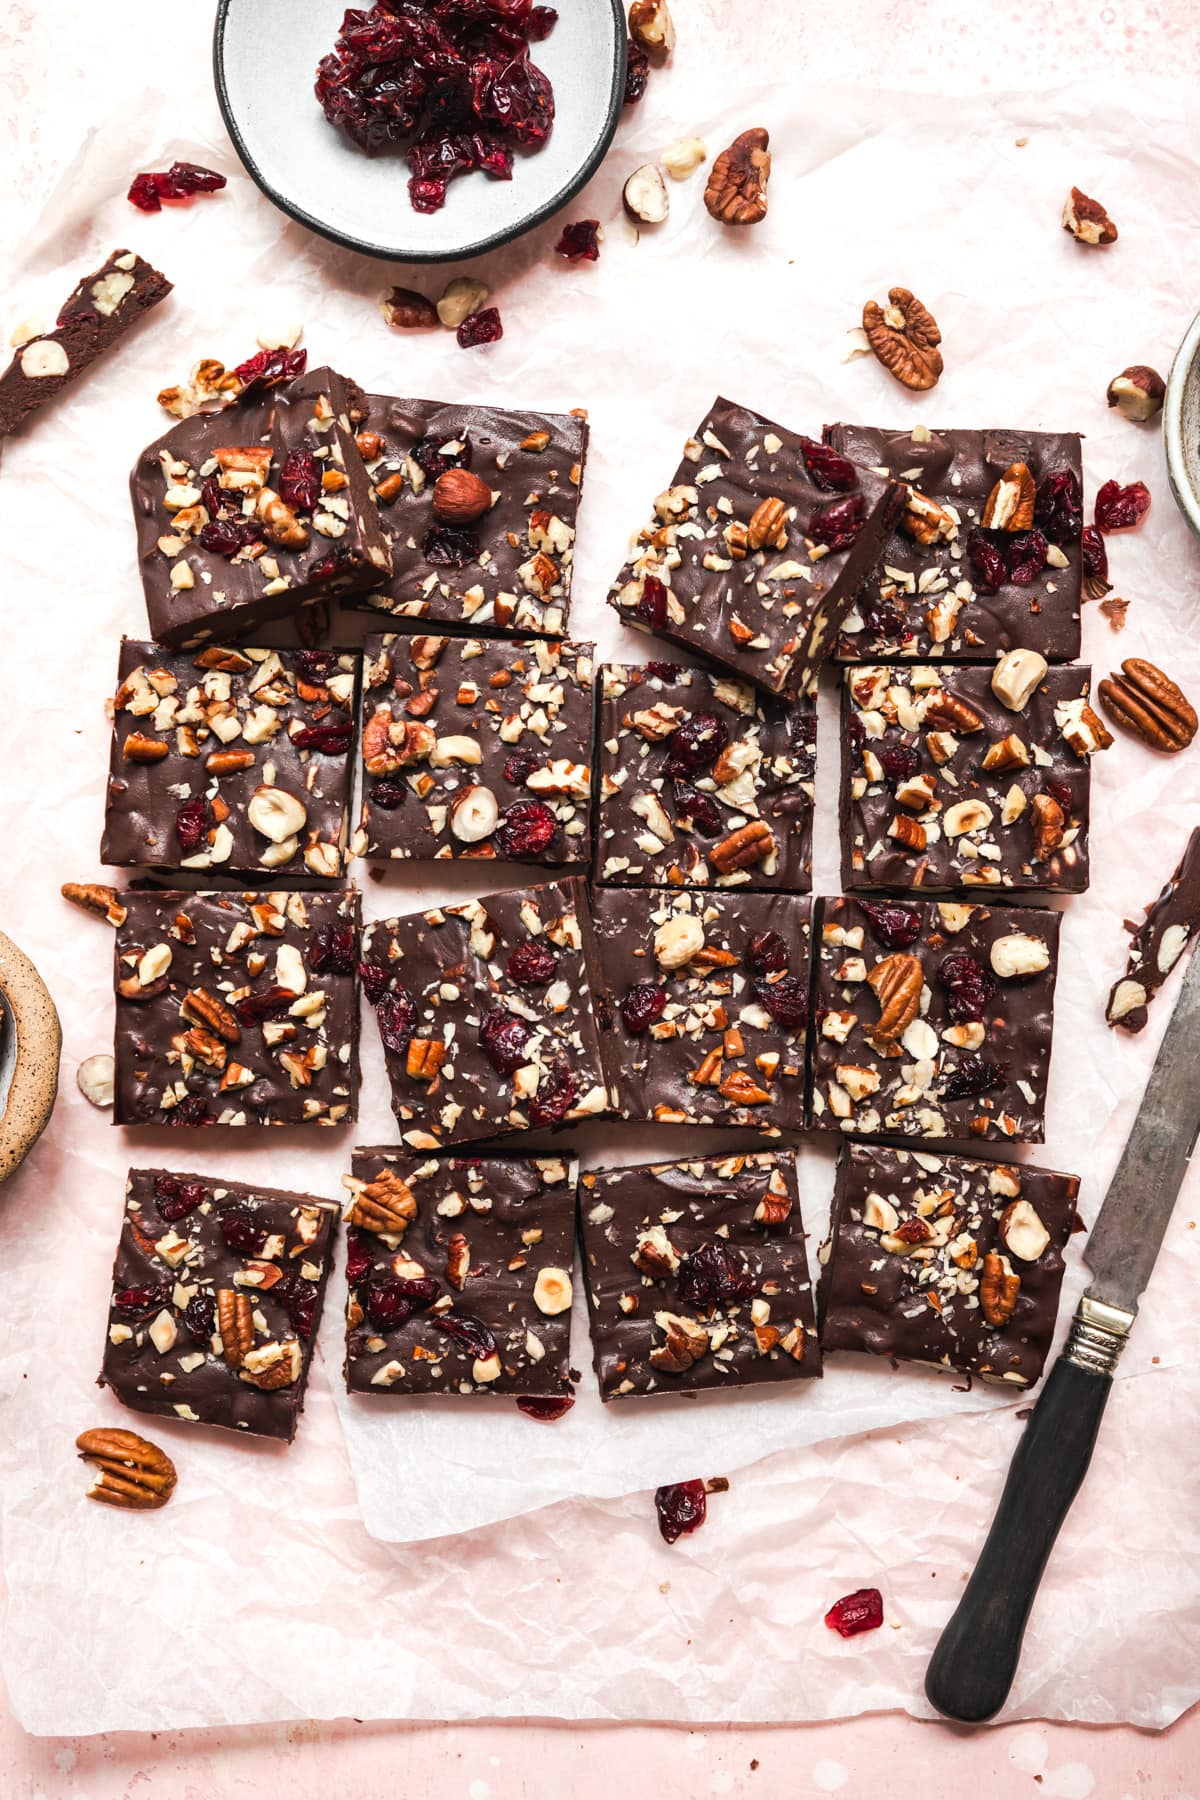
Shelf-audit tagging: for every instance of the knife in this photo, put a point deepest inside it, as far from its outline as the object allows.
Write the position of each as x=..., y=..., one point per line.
x=973, y=1667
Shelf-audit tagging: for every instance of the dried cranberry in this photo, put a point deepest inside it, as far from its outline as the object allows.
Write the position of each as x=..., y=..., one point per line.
x=989, y=569
x=359, y=1257
x=1026, y=554
x=526, y=829
x=298, y=1298
x=242, y=1231
x=826, y=469
x=396, y=1016
x=193, y=822
x=1058, y=790
x=856, y=736
x=330, y=565
x=483, y=327
x=540, y=22
x=267, y=368
x=1058, y=509
x=143, y=191
x=136, y=1300
x=715, y=1272
x=226, y=537
x=971, y=1075
x=504, y=1037
x=767, y=954
x=430, y=453
x=663, y=671
x=888, y=620
x=180, y=182
x=532, y=964
x=300, y=481
x=642, y=1006
x=519, y=767
x=215, y=500
x=252, y=1009
x=547, y=1409
x=969, y=987
x=191, y=1110
x=838, y=526
x=554, y=1098
x=198, y=1316
x=175, y=1198
x=1122, y=508
x=651, y=608
x=682, y=1508
x=376, y=980
x=470, y=1332
x=895, y=926
x=333, y=948
x=315, y=665
x=580, y=242
x=899, y=762
x=786, y=1000
x=1095, y=562
x=701, y=809
x=330, y=740
x=395, y=1299
x=637, y=74
x=696, y=743
x=388, y=795
x=804, y=745
x=857, y=1612
x=449, y=547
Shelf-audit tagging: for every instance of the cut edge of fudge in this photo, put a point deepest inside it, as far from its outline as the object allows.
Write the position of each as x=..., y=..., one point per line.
x=1168, y=930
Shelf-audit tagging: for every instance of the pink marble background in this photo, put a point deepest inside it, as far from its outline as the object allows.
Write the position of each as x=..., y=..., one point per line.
x=978, y=45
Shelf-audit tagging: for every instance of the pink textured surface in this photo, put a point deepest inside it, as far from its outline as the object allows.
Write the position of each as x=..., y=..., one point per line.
x=981, y=44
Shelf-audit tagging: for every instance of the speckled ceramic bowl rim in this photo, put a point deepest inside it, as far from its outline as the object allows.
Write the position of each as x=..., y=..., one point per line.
x=1181, y=426
x=33, y=1088
x=476, y=247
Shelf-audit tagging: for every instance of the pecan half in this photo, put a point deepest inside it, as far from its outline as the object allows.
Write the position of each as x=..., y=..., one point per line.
x=897, y=982
x=94, y=897
x=203, y=1008
x=425, y=1057
x=1149, y=705
x=274, y=1365
x=947, y=712
x=748, y=845
x=736, y=193
x=386, y=1205
x=999, y=1285
x=904, y=336
x=235, y=1322
x=1087, y=220
x=458, y=1260
x=767, y=529
x=131, y=1472
x=1009, y=506
x=1048, y=821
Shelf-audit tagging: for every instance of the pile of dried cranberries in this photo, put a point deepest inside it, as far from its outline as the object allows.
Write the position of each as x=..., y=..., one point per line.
x=449, y=80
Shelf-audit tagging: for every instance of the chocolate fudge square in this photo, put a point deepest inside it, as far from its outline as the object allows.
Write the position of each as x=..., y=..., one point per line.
x=231, y=759
x=476, y=747
x=756, y=550
x=480, y=510
x=248, y=514
x=696, y=1275
x=1156, y=945
x=217, y=1292
x=946, y=1260
x=459, y=1270
x=933, y=1019
x=486, y=1017
x=702, y=781
x=948, y=783
x=986, y=556
x=237, y=1009
x=704, y=1005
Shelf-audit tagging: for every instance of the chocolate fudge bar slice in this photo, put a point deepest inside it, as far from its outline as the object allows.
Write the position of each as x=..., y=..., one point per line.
x=986, y=557
x=217, y=1293
x=702, y=781
x=485, y=1012
x=696, y=1275
x=704, y=1005
x=947, y=782
x=757, y=549
x=1168, y=929
x=232, y=759
x=477, y=747
x=237, y=1009
x=459, y=1270
x=946, y=1260
x=480, y=508
x=106, y=304
x=933, y=1019
x=247, y=514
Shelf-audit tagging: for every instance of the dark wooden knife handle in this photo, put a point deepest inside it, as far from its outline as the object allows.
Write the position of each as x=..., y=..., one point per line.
x=973, y=1667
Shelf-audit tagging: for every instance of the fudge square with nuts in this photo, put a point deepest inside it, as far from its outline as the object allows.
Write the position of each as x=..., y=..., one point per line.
x=696, y=1275
x=247, y=514
x=236, y=1009
x=702, y=781
x=967, y=777
x=1156, y=945
x=704, y=1005
x=946, y=1260
x=477, y=747
x=933, y=1019
x=459, y=1271
x=986, y=556
x=217, y=1292
x=485, y=1012
x=757, y=549
x=479, y=507
x=232, y=759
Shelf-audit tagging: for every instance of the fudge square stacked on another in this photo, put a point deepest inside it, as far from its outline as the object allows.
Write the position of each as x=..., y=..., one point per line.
x=217, y=1291
x=946, y=1260
x=459, y=1271
x=696, y=1275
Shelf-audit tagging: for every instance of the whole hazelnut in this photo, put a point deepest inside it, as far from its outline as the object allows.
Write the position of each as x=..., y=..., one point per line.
x=645, y=196
x=652, y=28
x=459, y=497
x=1137, y=393
x=408, y=310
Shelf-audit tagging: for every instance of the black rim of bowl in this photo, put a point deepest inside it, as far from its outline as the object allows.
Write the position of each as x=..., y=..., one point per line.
x=480, y=245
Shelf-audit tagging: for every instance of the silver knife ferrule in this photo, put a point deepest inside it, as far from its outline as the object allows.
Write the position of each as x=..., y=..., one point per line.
x=1098, y=1335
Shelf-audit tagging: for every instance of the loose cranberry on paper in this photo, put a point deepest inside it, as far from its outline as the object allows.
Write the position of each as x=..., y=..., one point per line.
x=855, y=1613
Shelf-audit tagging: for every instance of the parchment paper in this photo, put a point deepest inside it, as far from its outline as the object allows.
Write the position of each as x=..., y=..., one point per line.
x=258, y=1593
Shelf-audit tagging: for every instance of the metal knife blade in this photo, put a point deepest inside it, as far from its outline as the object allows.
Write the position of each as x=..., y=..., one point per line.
x=1125, y=1240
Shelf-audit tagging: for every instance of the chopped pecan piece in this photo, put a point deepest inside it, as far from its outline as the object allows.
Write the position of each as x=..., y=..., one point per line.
x=203, y=1008
x=999, y=1285
x=749, y=844
x=235, y=1323
x=686, y=1342
x=94, y=897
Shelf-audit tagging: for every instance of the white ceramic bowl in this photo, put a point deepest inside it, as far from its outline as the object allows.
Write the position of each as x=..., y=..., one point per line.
x=30, y=1046
x=1181, y=426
